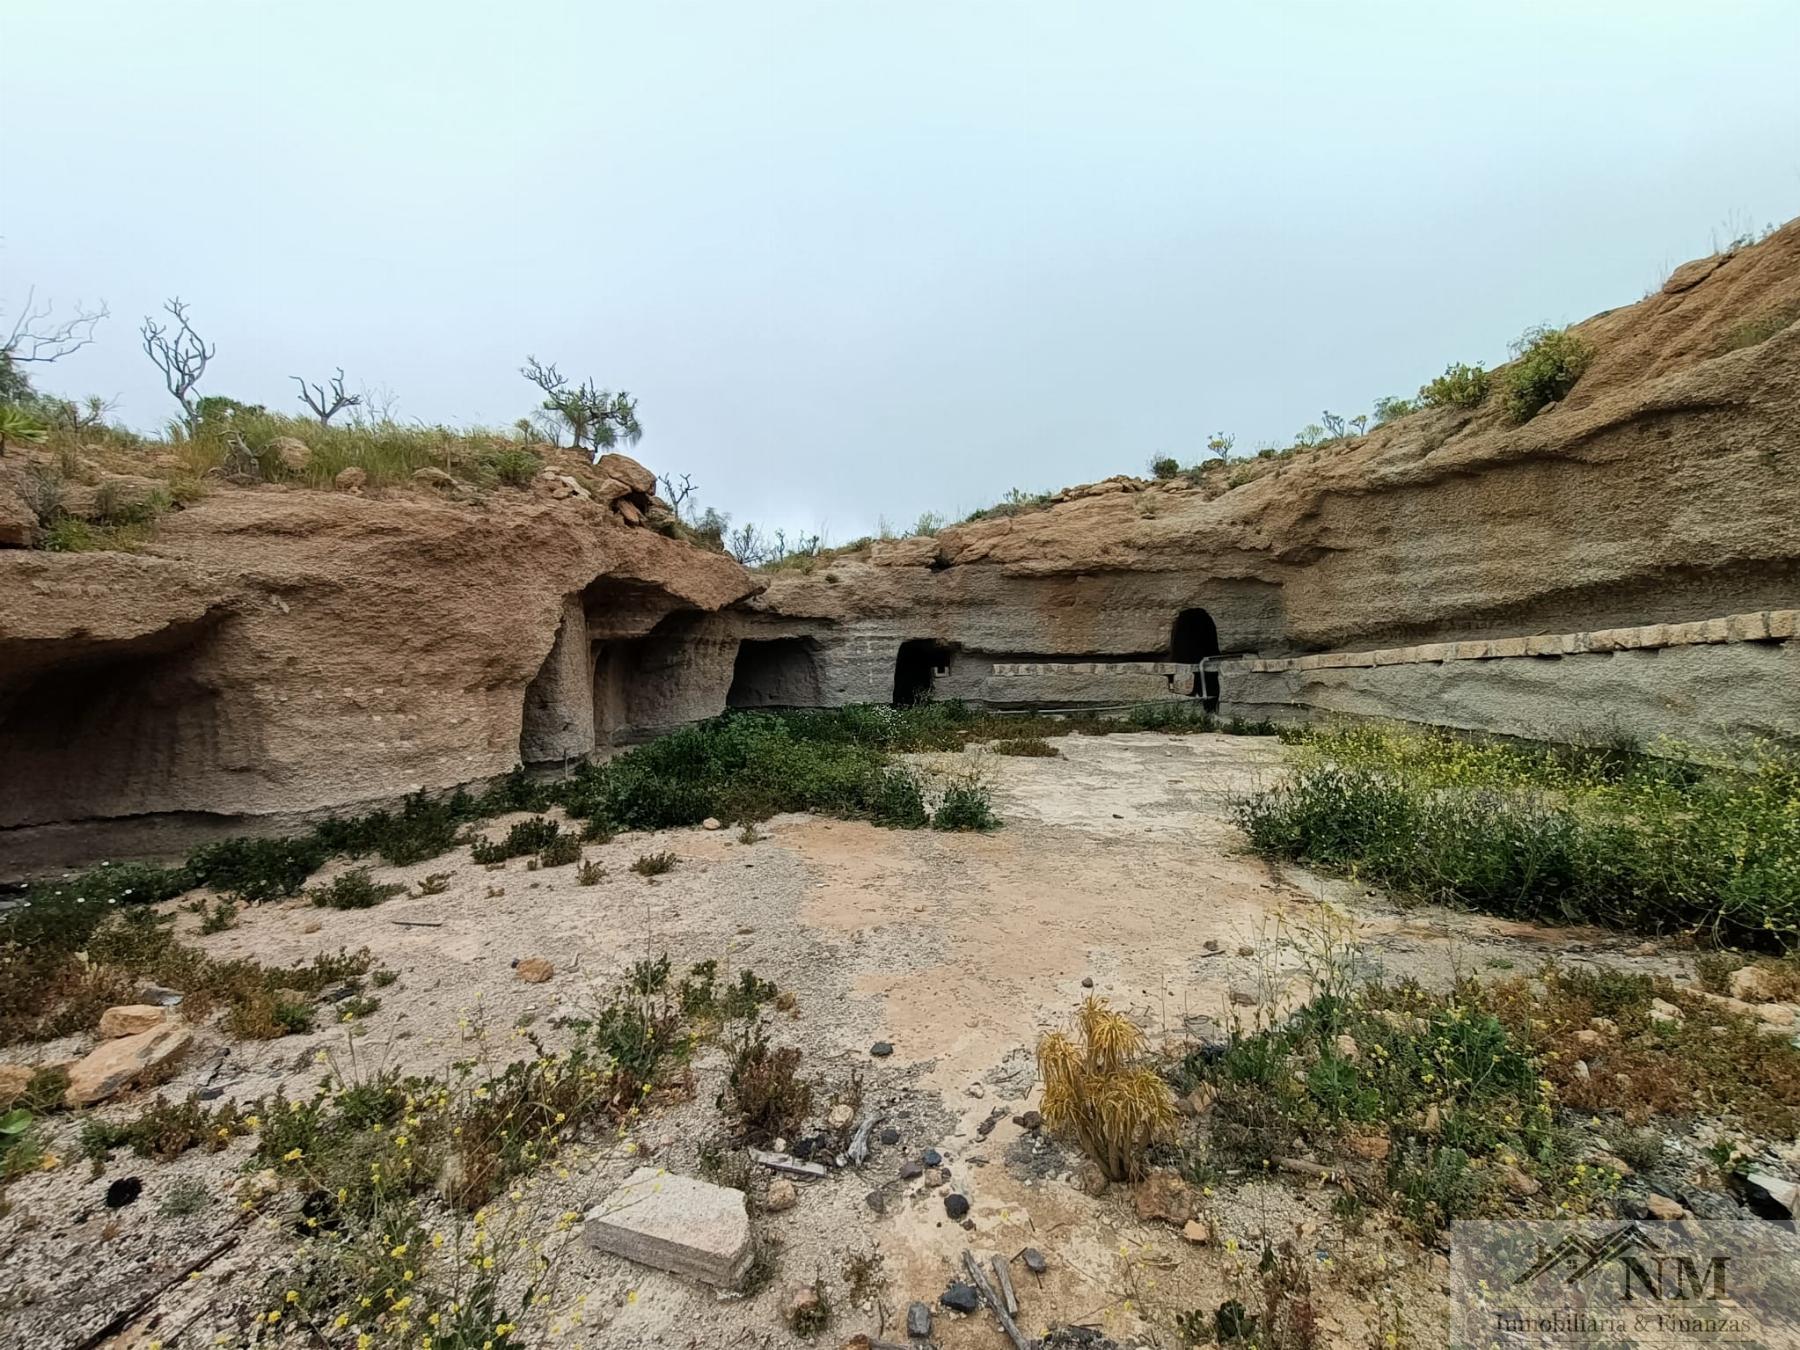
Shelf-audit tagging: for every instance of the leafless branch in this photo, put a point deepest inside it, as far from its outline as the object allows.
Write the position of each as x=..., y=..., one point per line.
x=323, y=407
x=677, y=494
x=181, y=358
x=37, y=336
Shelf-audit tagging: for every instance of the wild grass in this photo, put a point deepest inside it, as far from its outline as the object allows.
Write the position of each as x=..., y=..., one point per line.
x=1759, y=328
x=1571, y=834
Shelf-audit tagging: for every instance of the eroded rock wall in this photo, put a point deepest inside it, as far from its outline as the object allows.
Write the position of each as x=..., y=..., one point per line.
x=1662, y=489
x=277, y=653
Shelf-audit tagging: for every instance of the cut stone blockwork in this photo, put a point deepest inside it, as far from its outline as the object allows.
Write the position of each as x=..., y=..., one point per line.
x=674, y=1223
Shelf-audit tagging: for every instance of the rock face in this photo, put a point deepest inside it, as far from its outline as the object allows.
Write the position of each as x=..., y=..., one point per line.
x=675, y=1223
x=1659, y=492
x=278, y=653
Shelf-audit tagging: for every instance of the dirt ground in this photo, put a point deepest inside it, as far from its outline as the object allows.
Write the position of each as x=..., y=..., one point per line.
x=1117, y=864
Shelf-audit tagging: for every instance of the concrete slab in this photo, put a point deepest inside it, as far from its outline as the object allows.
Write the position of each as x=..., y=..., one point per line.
x=674, y=1223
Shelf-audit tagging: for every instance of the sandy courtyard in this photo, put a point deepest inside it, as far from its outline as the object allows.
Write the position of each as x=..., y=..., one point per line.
x=1117, y=865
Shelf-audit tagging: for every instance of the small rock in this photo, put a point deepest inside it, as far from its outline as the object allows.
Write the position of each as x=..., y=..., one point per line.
x=1754, y=984
x=1644, y=949
x=1214, y=945
x=129, y=1019
x=977, y=1091
x=911, y=1170
x=110, y=1066
x=1663, y=1011
x=1198, y=1102
x=1777, y=1015
x=534, y=970
x=351, y=479
x=960, y=1297
x=1243, y=998
x=710, y=823
x=1087, y=981
x=122, y=1192
x=1246, y=951
x=1029, y=1120
x=1196, y=1232
x=434, y=478
x=14, y=1079
x=890, y=1135
x=956, y=1206
x=918, y=1320
x=785, y=1001
x=931, y=1157
x=1582, y=1071
x=157, y=994
x=881, y=1049
x=1034, y=1260
x=1434, y=1120
x=1604, y=1025
x=1371, y=1147
x=1519, y=1183
x=1610, y=1163
x=1661, y=1207
x=782, y=1196
x=803, y=1309
x=1165, y=1196
x=840, y=1116
x=1587, y=1036
x=1091, y=1180
x=1779, y=1197
x=311, y=926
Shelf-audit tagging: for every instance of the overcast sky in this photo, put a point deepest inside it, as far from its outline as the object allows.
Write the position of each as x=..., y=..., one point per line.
x=860, y=260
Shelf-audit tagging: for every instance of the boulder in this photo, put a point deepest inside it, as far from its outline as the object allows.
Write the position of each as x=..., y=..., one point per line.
x=1369, y=1147
x=351, y=479
x=1661, y=1207
x=112, y=1066
x=129, y=1019
x=14, y=1079
x=674, y=1223
x=295, y=455
x=434, y=478
x=627, y=512
x=628, y=471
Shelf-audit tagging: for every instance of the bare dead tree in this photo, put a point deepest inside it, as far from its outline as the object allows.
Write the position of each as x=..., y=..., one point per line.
x=182, y=357
x=324, y=408
x=677, y=495
x=37, y=335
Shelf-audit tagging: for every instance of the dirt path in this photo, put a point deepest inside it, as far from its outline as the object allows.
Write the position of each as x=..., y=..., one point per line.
x=1117, y=864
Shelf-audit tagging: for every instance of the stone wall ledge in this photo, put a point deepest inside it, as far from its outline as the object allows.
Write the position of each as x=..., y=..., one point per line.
x=1768, y=625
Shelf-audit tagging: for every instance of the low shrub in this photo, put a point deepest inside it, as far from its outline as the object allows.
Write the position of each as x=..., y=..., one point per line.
x=1098, y=1088
x=590, y=874
x=767, y=1098
x=562, y=850
x=165, y=1130
x=965, y=805
x=1759, y=328
x=257, y=870
x=1548, y=363
x=655, y=864
x=355, y=889
x=1566, y=834
x=525, y=837
x=1163, y=468
x=1029, y=747
x=1460, y=386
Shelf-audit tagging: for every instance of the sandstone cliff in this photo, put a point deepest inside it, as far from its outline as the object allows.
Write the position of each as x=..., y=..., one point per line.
x=279, y=651
x=1662, y=489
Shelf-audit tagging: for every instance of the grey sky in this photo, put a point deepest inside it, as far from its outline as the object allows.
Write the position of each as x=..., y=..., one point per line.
x=862, y=260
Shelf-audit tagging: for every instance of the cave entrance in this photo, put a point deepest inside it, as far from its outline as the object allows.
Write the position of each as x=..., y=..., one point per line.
x=1195, y=639
x=775, y=673
x=916, y=668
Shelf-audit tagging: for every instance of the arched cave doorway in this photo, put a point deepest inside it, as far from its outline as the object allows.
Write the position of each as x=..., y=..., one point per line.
x=775, y=673
x=1194, y=638
x=919, y=662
